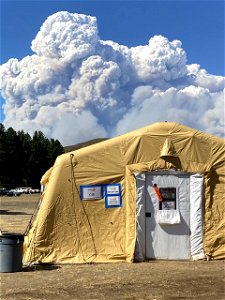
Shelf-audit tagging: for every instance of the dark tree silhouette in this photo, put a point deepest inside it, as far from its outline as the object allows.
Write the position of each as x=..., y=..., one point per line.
x=24, y=159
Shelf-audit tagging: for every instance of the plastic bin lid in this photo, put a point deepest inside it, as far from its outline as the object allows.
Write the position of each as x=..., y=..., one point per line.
x=12, y=236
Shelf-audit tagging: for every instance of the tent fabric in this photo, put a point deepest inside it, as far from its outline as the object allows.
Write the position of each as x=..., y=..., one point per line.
x=196, y=216
x=139, y=253
x=70, y=230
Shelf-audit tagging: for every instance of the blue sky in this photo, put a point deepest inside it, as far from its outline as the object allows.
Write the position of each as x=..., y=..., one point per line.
x=199, y=25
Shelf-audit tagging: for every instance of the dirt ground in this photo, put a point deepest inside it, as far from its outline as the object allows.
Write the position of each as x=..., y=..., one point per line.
x=151, y=280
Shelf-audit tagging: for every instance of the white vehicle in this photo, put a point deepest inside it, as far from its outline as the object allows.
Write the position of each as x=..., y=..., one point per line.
x=13, y=192
x=24, y=190
x=35, y=191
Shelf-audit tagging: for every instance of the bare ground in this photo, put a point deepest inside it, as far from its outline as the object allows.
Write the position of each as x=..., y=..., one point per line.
x=150, y=280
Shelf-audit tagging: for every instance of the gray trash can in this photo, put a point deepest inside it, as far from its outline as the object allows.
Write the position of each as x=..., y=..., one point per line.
x=11, y=252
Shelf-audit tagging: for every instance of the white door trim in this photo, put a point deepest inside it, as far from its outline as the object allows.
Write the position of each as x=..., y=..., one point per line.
x=196, y=216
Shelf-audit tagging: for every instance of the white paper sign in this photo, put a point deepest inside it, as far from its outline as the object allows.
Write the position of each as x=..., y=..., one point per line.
x=168, y=217
x=113, y=200
x=112, y=189
x=91, y=192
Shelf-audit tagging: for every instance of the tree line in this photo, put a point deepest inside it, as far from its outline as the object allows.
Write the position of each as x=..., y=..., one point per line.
x=24, y=159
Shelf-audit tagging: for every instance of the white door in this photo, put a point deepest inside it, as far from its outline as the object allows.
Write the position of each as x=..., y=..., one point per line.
x=168, y=219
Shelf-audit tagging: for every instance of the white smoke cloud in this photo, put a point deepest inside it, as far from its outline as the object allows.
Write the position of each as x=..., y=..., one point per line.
x=76, y=86
x=66, y=37
x=193, y=106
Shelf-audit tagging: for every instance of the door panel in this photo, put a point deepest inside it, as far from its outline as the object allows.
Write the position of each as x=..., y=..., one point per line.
x=167, y=241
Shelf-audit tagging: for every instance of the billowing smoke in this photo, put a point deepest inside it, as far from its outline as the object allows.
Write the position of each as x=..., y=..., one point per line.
x=76, y=86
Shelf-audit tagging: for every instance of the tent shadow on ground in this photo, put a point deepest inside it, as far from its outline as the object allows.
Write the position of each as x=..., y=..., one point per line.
x=40, y=267
x=7, y=212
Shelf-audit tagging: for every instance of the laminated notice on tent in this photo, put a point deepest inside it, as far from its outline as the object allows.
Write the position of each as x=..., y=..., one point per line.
x=113, y=201
x=91, y=192
x=168, y=217
x=113, y=196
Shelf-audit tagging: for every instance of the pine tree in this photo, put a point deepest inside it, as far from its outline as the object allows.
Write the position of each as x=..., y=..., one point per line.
x=23, y=160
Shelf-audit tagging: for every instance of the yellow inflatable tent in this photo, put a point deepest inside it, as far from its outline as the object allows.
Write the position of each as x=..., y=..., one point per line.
x=154, y=193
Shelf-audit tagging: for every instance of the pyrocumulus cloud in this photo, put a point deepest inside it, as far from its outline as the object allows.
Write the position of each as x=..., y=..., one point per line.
x=76, y=86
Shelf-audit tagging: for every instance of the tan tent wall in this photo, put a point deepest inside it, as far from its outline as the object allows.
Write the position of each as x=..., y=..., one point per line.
x=68, y=230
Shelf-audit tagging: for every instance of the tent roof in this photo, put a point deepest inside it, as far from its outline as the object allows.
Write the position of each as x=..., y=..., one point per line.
x=166, y=129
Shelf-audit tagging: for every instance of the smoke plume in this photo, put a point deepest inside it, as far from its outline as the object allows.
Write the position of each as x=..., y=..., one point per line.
x=77, y=87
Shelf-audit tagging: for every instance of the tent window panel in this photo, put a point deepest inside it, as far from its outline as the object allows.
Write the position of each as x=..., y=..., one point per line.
x=168, y=199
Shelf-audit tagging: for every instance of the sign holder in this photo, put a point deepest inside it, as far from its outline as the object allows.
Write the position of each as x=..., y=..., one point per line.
x=111, y=193
x=113, y=196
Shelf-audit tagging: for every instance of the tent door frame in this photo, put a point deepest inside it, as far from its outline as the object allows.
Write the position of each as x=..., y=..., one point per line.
x=196, y=213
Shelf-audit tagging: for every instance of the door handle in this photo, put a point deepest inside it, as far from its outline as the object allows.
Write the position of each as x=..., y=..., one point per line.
x=148, y=215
